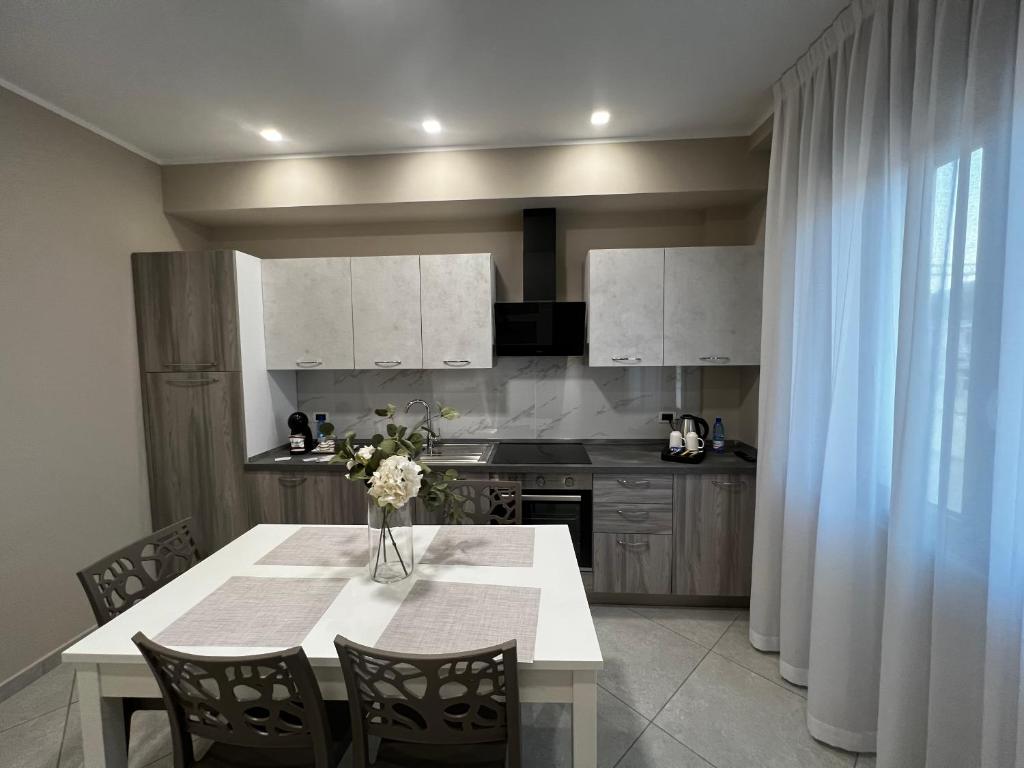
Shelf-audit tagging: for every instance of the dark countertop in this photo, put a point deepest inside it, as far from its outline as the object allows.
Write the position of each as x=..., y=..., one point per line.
x=606, y=456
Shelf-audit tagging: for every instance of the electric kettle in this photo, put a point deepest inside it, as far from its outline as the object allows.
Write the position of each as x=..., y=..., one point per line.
x=696, y=424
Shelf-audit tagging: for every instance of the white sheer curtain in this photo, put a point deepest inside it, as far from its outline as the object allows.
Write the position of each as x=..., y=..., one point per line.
x=889, y=543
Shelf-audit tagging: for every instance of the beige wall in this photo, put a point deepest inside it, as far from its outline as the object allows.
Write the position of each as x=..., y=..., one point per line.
x=628, y=168
x=73, y=206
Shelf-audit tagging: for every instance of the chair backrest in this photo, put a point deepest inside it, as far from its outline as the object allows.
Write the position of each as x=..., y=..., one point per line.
x=267, y=701
x=123, y=578
x=488, y=502
x=463, y=698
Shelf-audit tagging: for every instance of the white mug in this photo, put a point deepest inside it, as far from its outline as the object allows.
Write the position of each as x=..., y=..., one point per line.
x=693, y=442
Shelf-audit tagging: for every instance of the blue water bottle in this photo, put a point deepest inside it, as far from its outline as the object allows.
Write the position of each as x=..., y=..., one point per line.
x=718, y=436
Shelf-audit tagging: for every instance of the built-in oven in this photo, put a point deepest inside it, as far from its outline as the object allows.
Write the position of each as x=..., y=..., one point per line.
x=562, y=499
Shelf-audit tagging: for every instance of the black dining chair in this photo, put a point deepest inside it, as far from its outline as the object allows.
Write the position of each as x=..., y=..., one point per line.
x=487, y=502
x=433, y=710
x=132, y=573
x=262, y=711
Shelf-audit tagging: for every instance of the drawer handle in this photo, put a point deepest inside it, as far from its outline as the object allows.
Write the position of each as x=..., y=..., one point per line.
x=387, y=363
x=189, y=365
x=308, y=363
x=456, y=363
x=715, y=359
x=634, y=514
x=632, y=544
x=192, y=382
x=726, y=484
x=291, y=482
x=626, y=359
x=634, y=483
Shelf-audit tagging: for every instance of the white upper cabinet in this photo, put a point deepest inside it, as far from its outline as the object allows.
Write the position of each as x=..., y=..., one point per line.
x=457, y=306
x=713, y=305
x=624, y=306
x=307, y=313
x=386, y=312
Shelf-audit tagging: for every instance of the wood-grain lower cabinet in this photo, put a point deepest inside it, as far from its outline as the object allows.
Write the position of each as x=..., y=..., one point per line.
x=194, y=440
x=631, y=562
x=714, y=534
x=313, y=498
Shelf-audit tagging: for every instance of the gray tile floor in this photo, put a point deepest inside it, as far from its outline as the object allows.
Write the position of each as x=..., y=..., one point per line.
x=682, y=688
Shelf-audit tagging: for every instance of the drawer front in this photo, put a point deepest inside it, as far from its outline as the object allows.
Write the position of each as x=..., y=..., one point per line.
x=628, y=490
x=633, y=518
x=632, y=563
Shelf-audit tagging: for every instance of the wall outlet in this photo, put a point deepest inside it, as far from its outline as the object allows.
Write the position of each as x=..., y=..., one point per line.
x=666, y=416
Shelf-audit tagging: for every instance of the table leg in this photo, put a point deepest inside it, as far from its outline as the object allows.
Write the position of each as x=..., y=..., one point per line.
x=103, y=742
x=584, y=719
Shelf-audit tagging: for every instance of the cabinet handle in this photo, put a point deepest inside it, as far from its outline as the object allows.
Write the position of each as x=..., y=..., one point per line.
x=193, y=382
x=291, y=482
x=715, y=359
x=634, y=483
x=626, y=359
x=456, y=363
x=634, y=514
x=726, y=483
x=632, y=544
x=308, y=363
x=189, y=365
x=387, y=363
x=551, y=497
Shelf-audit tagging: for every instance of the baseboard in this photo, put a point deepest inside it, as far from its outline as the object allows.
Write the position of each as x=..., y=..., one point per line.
x=37, y=668
x=694, y=601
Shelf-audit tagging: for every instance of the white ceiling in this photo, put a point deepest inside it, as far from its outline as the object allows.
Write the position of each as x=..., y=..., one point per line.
x=195, y=80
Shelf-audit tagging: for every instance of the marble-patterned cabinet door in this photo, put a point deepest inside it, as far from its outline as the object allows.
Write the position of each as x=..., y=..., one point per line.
x=457, y=304
x=307, y=313
x=386, y=312
x=713, y=305
x=625, y=306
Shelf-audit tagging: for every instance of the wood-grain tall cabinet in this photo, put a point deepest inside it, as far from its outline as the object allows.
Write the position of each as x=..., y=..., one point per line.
x=186, y=308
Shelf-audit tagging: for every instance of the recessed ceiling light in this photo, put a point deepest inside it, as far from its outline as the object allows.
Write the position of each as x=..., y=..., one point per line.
x=431, y=126
x=600, y=117
x=271, y=134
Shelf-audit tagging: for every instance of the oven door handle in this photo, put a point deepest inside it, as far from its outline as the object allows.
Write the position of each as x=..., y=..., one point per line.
x=551, y=497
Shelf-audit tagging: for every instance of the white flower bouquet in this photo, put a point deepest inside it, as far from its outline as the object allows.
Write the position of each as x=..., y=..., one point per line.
x=388, y=467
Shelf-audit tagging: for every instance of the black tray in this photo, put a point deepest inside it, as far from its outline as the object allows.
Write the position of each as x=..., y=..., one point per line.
x=678, y=458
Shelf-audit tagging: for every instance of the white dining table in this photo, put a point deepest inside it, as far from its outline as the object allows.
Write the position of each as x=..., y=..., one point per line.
x=566, y=657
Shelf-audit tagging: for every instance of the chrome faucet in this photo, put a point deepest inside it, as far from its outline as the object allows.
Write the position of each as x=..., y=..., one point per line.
x=431, y=440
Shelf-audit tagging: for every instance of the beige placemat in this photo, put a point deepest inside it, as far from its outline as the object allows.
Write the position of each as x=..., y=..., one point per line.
x=447, y=617
x=255, y=612
x=501, y=545
x=327, y=546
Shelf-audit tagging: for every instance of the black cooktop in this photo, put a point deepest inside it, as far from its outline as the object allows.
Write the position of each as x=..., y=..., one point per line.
x=540, y=453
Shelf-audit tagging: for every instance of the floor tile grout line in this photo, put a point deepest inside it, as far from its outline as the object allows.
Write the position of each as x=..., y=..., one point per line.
x=32, y=719
x=626, y=704
x=687, y=637
x=633, y=743
x=776, y=683
x=676, y=691
x=687, y=746
x=67, y=716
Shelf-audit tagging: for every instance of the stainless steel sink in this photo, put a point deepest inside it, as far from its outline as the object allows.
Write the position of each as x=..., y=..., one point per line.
x=460, y=453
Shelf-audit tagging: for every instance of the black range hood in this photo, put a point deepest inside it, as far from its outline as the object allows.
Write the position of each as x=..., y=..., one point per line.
x=539, y=325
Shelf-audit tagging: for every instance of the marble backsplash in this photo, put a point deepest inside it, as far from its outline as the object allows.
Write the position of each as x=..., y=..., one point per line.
x=544, y=397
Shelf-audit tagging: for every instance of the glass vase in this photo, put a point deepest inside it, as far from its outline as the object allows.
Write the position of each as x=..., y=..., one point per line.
x=390, y=540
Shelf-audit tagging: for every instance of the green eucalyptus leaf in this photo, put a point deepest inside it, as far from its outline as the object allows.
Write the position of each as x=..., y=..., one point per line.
x=376, y=440
x=392, y=430
x=388, y=446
